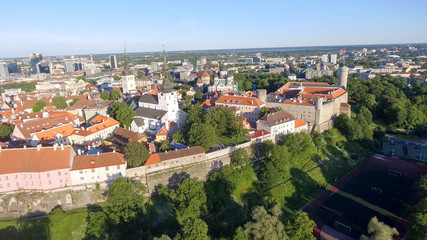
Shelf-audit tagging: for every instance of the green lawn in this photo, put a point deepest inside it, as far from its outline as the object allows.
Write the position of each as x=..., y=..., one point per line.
x=71, y=225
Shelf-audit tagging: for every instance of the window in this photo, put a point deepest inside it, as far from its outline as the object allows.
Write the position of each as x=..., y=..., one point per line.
x=6, y=178
x=81, y=171
x=8, y=185
x=1, y=186
x=65, y=173
x=60, y=180
x=24, y=175
x=108, y=175
x=82, y=178
x=48, y=174
x=107, y=168
x=59, y=173
x=31, y=183
x=31, y=176
x=50, y=182
x=16, y=176
x=38, y=176
x=66, y=180
x=40, y=183
x=26, y=183
x=17, y=184
x=118, y=166
x=93, y=170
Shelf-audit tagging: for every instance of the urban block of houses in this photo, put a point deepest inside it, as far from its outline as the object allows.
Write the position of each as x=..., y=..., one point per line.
x=39, y=168
x=281, y=123
x=103, y=127
x=316, y=103
x=175, y=158
x=96, y=168
x=249, y=107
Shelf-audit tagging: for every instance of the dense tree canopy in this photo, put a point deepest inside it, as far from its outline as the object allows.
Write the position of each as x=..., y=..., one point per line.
x=60, y=102
x=378, y=231
x=266, y=226
x=39, y=105
x=114, y=95
x=125, y=200
x=136, y=154
x=105, y=95
x=122, y=113
x=300, y=227
x=5, y=131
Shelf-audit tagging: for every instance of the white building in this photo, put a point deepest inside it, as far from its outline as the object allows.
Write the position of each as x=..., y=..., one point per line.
x=129, y=85
x=280, y=123
x=99, y=168
x=224, y=81
x=113, y=61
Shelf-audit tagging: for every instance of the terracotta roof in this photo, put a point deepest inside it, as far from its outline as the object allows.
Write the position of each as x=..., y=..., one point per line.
x=33, y=160
x=64, y=130
x=162, y=132
x=338, y=93
x=153, y=159
x=303, y=102
x=96, y=161
x=239, y=100
x=259, y=133
x=128, y=135
x=205, y=74
x=164, y=156
x=300, y=123
x=53, y=115
x=209, y=102
x=101, y=123
x=277, y=118
x=28, y=128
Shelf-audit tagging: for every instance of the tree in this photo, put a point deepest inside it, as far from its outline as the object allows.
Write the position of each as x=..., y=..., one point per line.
x=240, y=157
x=202, y=134
x=240, y=234
x=265, y=226
x=379, y=231
x=163, y=237
x=116, y=77
x=136, y=154
x=164, y=146
x=39, y=105
x=194, y=229
x=125, y=200
x=97, y=226
x=188, y=200
x=178, y=137
x=5, y=131
x=114, y=95
x=60, y=102
x=264, y=111
x=300, y=227
x=140, y=74
x=105, y=95
x=199, y=95
x=122, y=113
x=72, y=102
x=418, y=220
x=369, y=101
x=422, y=184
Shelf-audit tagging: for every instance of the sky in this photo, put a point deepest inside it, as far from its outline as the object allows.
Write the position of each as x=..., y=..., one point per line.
x=91, y=26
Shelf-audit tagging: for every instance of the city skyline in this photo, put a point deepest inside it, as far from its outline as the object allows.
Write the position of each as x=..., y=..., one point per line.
x=55, y=28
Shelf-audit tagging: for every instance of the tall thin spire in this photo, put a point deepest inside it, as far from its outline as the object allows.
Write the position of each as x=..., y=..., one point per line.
x=167, y=86
x=126, y=71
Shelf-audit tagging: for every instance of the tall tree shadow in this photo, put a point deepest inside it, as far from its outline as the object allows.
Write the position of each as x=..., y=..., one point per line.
x=35, y=225
x=304, y=184
x=176, y=179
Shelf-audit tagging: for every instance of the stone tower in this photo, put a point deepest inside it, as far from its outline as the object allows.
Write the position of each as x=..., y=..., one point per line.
x=343, y=77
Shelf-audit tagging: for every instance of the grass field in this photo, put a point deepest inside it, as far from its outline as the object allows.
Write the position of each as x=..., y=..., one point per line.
x=357, y=202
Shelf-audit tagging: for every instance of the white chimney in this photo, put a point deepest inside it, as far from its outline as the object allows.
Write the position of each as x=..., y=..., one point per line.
x=25, y=146
x=55, y=146
x=79, y=152
x=88, y=147
x=114, y=151
x=0, y=148
x=62, y=146
x=38, y=147
x=97, y=153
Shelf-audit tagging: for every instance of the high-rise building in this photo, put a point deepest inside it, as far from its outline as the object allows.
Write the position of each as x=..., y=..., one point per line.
x=113, y=61
x=69, y=66
x=78, y=66
x=13, y=67
x=45, y=67
x=334, y=58
x=4, y=72
x=35, y=58
x=325, y=58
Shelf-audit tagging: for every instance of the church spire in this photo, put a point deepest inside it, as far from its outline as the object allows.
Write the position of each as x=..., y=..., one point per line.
x=167, y=86
x=126, y=71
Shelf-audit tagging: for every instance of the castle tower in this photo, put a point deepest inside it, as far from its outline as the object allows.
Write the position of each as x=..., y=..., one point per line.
x=261, y=94
x=343, y=77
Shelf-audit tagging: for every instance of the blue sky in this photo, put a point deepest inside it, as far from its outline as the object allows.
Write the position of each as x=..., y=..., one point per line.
x=81, y=27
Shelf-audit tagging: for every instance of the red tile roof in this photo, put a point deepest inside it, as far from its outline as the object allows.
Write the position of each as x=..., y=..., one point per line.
x=101, y=123
x=164, y=156
x=33, y=160
x=239, y=100
x=95, y=161
x=205, y=74
x=64, y=130
x=28, y=128
x=300, y=123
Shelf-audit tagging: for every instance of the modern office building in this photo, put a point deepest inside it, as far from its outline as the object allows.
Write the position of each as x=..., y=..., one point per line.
x=4, y=72
x=35, y=58
x=113, y=61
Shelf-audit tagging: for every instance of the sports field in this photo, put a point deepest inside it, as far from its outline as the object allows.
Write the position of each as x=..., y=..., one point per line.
x=382, y=187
